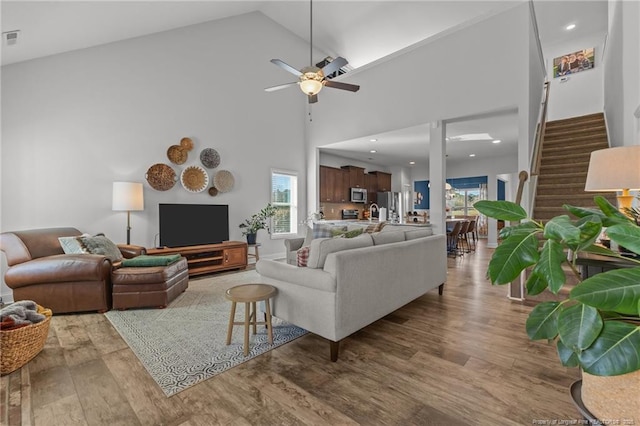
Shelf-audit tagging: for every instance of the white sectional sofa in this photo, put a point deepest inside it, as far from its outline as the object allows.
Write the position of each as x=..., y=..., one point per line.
x=351, y=282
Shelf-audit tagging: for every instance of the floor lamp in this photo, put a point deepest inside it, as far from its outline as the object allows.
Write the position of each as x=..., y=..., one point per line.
x=127, y=196
x=613, y=170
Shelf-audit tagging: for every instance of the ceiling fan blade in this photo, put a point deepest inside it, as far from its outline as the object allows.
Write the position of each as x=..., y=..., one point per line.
x=286, y=67
x=280, y=86
x=313, y=99
x=334, y=65
x=343, y=86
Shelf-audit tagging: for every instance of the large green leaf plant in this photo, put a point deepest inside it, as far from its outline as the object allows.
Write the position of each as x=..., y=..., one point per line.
x=597, y=326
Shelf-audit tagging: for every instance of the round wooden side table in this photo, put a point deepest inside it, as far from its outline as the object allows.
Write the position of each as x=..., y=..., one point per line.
x=249, y=294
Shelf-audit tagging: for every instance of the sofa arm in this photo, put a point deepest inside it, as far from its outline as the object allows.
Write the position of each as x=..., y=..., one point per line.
x=59, y=268
x=305, y=277
x=293, y=244
x=130, y=251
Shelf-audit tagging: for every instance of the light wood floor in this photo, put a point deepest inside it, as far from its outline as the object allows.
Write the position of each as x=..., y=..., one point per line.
x=458, y=359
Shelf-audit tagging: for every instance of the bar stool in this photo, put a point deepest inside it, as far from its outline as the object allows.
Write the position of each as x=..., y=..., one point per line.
x=249, y=294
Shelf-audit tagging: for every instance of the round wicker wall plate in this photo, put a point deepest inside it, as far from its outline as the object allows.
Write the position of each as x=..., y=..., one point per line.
x=213, y=191
x=210, y=158
x=186, y=143
x=223, y=181
x=161, y=177
x=177, y=154
x=194, y=179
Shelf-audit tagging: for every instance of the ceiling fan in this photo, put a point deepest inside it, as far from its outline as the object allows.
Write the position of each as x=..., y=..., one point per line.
x=312, y=78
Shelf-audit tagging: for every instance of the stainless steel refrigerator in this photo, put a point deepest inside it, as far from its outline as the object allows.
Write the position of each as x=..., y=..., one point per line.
x=392, y=201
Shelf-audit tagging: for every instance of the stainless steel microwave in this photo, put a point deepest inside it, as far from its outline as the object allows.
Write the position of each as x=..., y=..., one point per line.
x=358, y=195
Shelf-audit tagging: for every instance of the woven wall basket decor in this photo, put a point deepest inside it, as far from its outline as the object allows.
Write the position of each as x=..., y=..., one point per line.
x=186, y=144
x=194, y=179
x=177, y=154
x=223, y=181
x=210, y=158
x=161, y=177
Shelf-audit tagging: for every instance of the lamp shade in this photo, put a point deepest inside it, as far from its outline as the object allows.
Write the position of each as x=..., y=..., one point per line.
x=311, y=86
x=127, y=196
x=614, y=169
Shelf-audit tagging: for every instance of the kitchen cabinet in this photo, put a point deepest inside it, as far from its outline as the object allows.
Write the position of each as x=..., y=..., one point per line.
x=334, y=185
x=383, y=181
x=356, y=176
x=371, y=184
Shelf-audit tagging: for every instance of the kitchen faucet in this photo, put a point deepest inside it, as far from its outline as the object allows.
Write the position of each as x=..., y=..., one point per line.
x=377, y=208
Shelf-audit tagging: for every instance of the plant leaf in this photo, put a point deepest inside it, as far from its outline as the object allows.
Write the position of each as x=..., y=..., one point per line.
x=595, y=249
x=579, y=326
x=561, y=229
x=550, y=265
x=501, y=210
x=542, y=322
x=609, y=209
x=524, y=228
x=535, y=284
x=616, y=350
x=566, y=355
x=590, y=228
x=512, y=257
x=617, y=290
x=627, y=236
x=583, y=211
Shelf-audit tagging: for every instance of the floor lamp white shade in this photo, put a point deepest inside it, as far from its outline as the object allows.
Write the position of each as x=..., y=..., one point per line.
x=127, y=196
x=615, y=169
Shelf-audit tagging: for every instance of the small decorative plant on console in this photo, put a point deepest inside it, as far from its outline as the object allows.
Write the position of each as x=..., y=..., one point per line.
x=597, y=326
x=256, y=222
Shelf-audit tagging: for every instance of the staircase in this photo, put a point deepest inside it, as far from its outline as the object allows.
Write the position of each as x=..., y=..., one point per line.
x=566, y=148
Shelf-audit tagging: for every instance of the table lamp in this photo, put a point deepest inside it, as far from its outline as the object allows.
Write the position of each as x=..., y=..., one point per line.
x=127, y=196
x=615, y=169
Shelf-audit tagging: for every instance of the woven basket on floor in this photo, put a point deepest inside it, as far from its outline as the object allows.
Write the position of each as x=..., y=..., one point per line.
x=19, y=346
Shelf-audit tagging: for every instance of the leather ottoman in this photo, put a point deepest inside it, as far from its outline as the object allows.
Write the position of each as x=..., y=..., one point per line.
x=149, y=286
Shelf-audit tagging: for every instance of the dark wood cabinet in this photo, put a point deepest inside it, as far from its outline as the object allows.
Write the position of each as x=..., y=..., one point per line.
x=383, y=181
x=371, y=183
x=208, y=258
x=356, y=176
x=334, y=185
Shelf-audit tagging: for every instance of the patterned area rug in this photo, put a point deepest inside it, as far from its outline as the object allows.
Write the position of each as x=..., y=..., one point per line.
x=184, y=343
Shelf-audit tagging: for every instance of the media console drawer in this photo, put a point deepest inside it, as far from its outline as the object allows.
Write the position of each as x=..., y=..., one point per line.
x=209, y=258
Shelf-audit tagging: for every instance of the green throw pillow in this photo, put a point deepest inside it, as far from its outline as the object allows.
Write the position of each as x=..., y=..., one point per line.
x=338, y=233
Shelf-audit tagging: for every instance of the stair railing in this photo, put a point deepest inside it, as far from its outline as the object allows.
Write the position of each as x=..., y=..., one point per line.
x=540, y=129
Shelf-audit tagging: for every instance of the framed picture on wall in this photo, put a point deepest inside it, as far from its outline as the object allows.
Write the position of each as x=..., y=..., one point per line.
x=574, y=62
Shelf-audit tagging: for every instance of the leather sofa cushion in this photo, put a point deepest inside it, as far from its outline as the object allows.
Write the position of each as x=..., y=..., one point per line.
x=147, y=274
x=22, y=246
x=59, y=268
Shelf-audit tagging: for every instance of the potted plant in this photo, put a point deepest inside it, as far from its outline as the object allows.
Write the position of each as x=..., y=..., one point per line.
x=260, y=220
x=597, y=325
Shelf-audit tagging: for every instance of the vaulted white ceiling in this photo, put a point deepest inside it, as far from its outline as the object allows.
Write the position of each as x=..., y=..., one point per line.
x=361, y=31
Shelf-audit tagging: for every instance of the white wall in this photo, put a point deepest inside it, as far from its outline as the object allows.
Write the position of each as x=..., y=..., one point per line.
x=453, y=76
x=622, y=73
x=582, y=93
x=75, y=122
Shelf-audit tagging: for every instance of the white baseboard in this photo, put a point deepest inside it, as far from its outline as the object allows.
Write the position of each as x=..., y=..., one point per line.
x=492, y=245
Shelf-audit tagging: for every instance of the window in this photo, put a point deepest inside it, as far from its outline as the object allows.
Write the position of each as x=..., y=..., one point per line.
x=284, y=197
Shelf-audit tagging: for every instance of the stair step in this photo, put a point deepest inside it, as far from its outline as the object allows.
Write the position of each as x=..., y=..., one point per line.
x=573, y=120
x=580, y=165
x=587, y=146
x=566, y=159
x=576, y=141
x=591, y=127
x=569, y=177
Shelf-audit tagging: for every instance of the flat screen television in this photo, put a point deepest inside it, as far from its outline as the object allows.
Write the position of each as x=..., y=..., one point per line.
x=193, y=224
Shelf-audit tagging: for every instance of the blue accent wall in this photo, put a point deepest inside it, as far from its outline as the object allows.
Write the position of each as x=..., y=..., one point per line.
x=502, y=190
x=468, y=182
x=421, y=187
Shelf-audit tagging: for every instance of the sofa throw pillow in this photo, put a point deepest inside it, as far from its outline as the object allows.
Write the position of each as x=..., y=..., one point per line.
x=71, y=245
x=323, y=230
x=346, y=234
x=302, y=256
x=101, y=245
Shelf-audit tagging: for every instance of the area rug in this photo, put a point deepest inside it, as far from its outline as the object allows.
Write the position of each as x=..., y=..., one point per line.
x=185, y=343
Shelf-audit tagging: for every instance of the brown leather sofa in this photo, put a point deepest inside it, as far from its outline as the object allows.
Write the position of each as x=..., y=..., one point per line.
x=40, y=271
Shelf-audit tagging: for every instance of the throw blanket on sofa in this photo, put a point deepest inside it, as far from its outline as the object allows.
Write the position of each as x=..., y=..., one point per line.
x=20, y=314
x=146, y=260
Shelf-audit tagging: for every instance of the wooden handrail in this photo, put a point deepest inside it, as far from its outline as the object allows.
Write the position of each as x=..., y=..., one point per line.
x=522, y=177
x=540, y=129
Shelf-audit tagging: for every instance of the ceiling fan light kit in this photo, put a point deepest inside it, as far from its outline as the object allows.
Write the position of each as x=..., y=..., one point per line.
x=312, y=79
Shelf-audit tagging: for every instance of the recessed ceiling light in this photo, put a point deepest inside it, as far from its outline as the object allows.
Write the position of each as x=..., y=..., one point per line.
x=373, y=140
x=570, y=27
x=497, y=141
x=373, y=151
x=412, y=162
x=472, y=155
